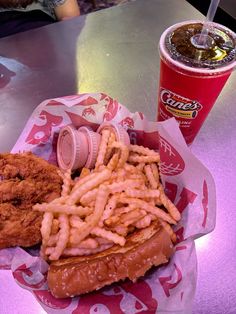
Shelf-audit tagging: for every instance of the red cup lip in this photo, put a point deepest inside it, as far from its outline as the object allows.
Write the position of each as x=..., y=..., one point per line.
x=194, y=71
x=121, y=134
x=72, y=148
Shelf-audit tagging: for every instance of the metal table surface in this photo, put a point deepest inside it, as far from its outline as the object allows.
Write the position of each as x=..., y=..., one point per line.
x=116, y=51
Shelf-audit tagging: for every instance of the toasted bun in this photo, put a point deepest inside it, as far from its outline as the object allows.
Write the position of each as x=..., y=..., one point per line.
x=144, y=248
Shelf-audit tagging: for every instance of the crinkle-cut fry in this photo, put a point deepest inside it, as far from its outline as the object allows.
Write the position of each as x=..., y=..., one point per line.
x=55, y=226
x=109, y=150
x=88, y=243
x=102, y=241
x=155, y=172
x=76, y=227
x=113, y=162
x=102, y=147
x=140, y=166
x=158, y=201
x=114, y=237
x=124, y=153
x=152, y=216
x=134, y=172
x=83, y=180
x=67, y=183
x=148, y=208
x=149, y=193
x=124, y=209
x=143, y=159
x=171, y=208
x=84, y=173
x=133, y=214
x=111, y=221
x=59, y=200
x=100, y=168
x=76, y=221
x=150, y=176
x=93, y=219
x=121, y=174
x=48, y=250
x=121, y=230
x=53, y=239
x=130, y=220
x=89, y=185
x=144, y=222
x=86, y=252
x=64, y=208
x=138, y=177
x=114, y=176
x=119, y=202
x=131, y=168
x=46, y=227
x=88, y=197
x=169, y=230
x=109, y=208
x=126, y=217
x=151, y=201
x=60, y=173
x=92, y=204
x=62, y=239
x=121, y=186
x=141, y=150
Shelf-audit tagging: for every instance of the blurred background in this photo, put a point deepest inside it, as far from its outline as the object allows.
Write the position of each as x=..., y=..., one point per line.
x=87, y=6
x=226, y=12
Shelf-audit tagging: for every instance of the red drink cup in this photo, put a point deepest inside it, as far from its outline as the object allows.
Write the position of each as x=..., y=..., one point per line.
x=191, y=78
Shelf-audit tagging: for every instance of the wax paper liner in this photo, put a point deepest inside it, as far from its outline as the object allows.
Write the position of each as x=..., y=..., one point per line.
x=166, y=289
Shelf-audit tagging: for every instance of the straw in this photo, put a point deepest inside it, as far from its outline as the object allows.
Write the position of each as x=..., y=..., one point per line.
x=209, y=18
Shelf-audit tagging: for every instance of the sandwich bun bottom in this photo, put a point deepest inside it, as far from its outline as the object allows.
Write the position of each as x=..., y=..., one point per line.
x=151, y=246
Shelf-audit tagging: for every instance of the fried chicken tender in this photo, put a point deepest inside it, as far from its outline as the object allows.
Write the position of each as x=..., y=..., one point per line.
x=25, y=180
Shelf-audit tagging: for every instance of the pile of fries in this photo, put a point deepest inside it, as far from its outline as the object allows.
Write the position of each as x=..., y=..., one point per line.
x=102, y=206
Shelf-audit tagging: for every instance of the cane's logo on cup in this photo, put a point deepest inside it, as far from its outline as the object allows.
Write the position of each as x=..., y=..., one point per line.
x=179, y=106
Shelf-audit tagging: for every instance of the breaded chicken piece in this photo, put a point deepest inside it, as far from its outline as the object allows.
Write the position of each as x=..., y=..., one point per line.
x=25, y=180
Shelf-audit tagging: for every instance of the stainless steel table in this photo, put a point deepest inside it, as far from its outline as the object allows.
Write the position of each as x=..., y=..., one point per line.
x=116, y=51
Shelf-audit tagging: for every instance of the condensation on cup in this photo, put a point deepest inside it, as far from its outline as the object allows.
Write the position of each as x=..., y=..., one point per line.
x=193, y=75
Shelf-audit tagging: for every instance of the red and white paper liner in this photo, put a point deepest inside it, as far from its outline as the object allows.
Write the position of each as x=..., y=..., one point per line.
x=187, y=182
